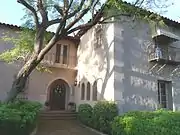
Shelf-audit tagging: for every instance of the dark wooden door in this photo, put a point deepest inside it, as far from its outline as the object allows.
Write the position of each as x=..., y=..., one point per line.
x=58, y=97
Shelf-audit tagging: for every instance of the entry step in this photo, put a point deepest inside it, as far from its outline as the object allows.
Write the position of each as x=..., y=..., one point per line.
x=58, y=115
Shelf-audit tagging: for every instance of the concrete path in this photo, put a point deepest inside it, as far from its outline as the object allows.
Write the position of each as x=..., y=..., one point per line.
x=62, y=127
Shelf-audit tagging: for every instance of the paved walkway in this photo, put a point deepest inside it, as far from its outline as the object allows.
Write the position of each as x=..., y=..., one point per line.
x=62, y=127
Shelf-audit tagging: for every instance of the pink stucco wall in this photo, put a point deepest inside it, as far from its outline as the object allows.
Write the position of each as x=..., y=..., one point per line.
x=37, y=88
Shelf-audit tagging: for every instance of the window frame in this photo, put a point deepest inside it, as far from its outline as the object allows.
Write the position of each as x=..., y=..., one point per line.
x=95, y=91
x=164, y=93
x=59, y=56
x=88, y=91
x=98, y=36
x=82, y=91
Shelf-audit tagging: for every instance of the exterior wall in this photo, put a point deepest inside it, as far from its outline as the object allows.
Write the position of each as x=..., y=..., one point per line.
x=37, y=87
x=96, y=64
x=135, y=86
x=7, y=71
x=72, y=54
x=120, y=66
x=40, y=92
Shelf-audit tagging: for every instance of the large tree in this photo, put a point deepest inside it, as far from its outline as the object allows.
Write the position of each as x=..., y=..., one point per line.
x=67, y=15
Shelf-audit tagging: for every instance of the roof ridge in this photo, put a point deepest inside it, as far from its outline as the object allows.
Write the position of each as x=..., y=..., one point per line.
x=151, y=12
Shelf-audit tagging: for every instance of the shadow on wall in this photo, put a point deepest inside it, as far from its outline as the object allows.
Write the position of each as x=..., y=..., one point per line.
x=105, y=63
x=100, y=59
x=109, y=69
x=135, y=88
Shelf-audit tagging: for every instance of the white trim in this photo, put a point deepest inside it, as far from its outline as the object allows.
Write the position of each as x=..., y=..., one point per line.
x=166, y=33
x=174, y=108
x=68, y=92
x=57, y=78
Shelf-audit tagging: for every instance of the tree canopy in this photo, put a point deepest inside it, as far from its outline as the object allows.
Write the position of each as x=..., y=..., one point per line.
x=53, y=9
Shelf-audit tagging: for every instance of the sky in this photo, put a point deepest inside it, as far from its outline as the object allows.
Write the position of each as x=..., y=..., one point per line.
x=174, y=11
x=12, y=12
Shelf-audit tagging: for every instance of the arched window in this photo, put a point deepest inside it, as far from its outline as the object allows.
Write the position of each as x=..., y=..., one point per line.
x=95, y=91
x=88, y=95
x=82, y=91
x=79, y=84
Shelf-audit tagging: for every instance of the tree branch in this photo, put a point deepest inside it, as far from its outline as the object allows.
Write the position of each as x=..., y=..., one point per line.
x=95, y=20
x=138, y=1
x=54, y=39
x=83, y=12
x=24, y=3
x=69, y=6
x=77, y=19
x=52, y=22
x=39, y=38
x=77, y=10
x=59, y=9
x=42, y=11
x=80, y=27
x=93, y=7
x=66, y=5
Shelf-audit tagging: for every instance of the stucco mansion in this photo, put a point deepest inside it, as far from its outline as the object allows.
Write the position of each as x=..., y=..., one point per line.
x=124, y=61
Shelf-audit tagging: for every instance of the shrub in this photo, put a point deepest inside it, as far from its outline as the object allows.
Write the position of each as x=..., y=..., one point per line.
x=85, y=114
x=103, y=114
x=147, y=123
x=19, y=117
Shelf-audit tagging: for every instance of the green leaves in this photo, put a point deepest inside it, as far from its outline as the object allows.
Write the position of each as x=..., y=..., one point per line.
x=98, y=117
x=120, y=6
x=147, y=123
x=103, y=114
x=19, y=117
x=23, y=45
x=85, y=114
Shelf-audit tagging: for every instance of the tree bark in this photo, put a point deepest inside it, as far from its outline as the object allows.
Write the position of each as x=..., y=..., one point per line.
x=17, y=86
x=21, y=78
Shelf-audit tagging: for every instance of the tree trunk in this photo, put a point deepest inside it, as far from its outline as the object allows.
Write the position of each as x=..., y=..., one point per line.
x=21, y=78
x=17, y=86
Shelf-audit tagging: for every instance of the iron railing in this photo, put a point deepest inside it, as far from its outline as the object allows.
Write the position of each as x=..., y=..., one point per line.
x=166, y=53
x=51, y=59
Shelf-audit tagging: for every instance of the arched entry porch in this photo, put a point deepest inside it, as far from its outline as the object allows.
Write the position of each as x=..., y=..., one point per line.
x=58, y=94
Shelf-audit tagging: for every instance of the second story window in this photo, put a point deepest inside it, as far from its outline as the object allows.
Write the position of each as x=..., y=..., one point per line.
x=64, y=54
x=61, y=54
x=58, y=53
x=98, y=36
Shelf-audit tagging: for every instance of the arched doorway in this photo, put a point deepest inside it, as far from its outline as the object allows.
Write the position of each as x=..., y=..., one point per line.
x=58, y=93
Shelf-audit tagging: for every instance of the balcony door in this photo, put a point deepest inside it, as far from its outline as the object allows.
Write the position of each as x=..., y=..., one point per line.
x=165, y=94
x=61, y=54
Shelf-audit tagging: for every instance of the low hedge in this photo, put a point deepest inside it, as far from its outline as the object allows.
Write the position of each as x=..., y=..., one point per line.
x=98, y=117
x=19, y=117
x=103, y=114
x=147, y=123
x=85, y=114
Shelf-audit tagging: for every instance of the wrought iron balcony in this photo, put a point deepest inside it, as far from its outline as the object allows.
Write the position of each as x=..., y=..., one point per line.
x=163, y=36
x=52, y=60
x=165, y=55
